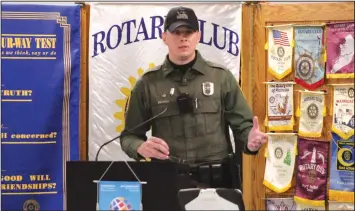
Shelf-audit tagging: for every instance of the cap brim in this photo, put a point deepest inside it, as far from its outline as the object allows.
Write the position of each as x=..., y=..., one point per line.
x=177, y=24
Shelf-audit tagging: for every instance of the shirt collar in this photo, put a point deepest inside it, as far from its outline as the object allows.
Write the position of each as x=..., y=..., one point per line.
x=199, y=65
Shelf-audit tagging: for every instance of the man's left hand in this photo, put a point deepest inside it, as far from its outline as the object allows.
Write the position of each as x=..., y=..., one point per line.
x=256, y=138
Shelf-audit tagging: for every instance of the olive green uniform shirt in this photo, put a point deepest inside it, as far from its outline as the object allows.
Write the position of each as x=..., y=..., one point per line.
x=200, y=135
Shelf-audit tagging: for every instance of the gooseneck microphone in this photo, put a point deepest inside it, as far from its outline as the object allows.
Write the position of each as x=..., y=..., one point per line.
x=129, y=167
x=119, y=136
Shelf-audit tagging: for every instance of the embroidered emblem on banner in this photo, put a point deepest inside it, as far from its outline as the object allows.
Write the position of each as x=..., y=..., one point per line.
x=280, y=106
x=208, y=88
x=280, y=165
x=31, y=205
x=309, y=56
x=342, y=169
x=280, y=50
x=280, y=204
x=340, y=50
x=311, y=113
x=343, y=111
x=311, y=172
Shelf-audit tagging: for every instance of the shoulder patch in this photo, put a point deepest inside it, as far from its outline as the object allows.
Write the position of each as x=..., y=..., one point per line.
x=215, y=65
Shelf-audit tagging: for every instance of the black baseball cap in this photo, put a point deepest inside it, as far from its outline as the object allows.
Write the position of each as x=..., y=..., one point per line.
x=181, y=16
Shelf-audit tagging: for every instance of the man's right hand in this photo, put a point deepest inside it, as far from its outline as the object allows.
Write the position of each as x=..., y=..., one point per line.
x=154, y=148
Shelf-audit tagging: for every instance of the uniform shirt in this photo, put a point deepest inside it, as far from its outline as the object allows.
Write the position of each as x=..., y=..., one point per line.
x=200, y=135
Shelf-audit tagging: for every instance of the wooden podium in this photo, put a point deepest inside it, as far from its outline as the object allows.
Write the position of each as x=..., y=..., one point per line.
x=159, y=194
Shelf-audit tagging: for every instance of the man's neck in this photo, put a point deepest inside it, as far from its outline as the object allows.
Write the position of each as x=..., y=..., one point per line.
x=183, y=66
x=182, y=60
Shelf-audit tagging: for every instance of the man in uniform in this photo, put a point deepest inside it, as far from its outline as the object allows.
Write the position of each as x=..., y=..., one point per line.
x=192, y=103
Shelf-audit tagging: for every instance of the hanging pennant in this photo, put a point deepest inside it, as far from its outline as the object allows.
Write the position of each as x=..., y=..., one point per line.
x=280, y=204
x=311, y=112
x=336, y=205
x=280, y=50
x=311, y=176
x=300, y=206
x=309, y=60
x=280, y=106
x=280, y=161
x=343, y=110
x=342, y=169
x=340, y=50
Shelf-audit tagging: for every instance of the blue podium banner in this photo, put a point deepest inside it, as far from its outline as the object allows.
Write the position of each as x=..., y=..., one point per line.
x=40, y=76
x=120, y=195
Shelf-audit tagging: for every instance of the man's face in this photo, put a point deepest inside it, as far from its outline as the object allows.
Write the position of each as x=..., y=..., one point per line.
x=181, y=42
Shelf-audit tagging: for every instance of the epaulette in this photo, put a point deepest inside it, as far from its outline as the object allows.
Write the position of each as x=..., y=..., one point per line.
x=215, y=65
x=153, y=69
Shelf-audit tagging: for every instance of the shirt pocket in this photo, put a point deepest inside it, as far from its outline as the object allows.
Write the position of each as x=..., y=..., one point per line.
x=208, y=116
x=167, y=123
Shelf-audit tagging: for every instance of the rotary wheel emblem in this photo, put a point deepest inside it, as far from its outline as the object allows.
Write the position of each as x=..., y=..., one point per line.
x=312, y=111
x=280, y=51
x=271, y=99
x=347, y=155
x=305, y=67
x=351, y=92
x=278, y=153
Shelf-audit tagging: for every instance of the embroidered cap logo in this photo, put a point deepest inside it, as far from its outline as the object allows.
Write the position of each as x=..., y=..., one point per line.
x=181, y=14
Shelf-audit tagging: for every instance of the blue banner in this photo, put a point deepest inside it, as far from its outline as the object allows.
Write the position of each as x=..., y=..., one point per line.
x=342, y=169
x=116, y=195
x=40, y=69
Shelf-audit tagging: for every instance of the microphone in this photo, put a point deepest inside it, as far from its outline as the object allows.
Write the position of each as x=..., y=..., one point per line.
x=137, y=126
x=117, y=137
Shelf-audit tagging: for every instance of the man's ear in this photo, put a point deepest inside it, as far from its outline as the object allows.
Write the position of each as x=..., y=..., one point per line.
x=163, y=37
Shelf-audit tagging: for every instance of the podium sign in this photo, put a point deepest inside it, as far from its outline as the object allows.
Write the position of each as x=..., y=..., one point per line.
x=120, y=195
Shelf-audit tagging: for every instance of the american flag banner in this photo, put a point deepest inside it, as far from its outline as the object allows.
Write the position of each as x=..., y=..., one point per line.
x=280, y=50
x=280, y=38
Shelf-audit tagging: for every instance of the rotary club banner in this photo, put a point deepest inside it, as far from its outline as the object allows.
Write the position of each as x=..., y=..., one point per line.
x=279, y=46
x=340, y=50
x=335, y=205
x=280, y=204
x=309, y=207
x=280, y=161
x=311, y=112
x=311, y=177
x=309, y=59
x=342, y=169
x=280, y=106
x=343, y=110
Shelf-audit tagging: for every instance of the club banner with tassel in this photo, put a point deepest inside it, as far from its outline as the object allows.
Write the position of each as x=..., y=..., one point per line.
x=280, y=110
x=343, y=110
x=309, y=61
x=311, y=176
x=340, y=50
x=280, y=161
x=280, y=50
x=342, y=169
x=279, y=204
x=300, y=206
x=311, y=112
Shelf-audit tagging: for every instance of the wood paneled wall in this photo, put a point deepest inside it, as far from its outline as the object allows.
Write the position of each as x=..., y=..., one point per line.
x=254, y=73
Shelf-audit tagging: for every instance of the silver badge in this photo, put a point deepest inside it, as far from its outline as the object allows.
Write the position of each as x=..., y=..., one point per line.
x=208, y=88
